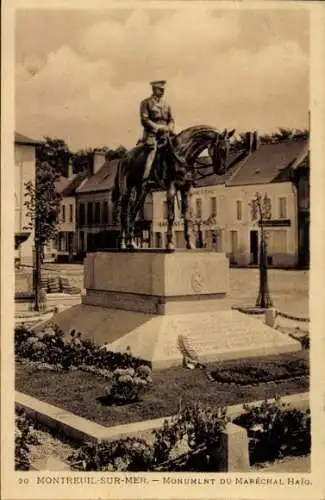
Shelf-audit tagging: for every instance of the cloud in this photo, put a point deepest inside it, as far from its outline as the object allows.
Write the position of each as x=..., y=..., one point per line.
x=89, y=91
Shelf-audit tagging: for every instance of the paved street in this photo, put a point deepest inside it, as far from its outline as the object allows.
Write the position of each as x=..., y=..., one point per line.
x=289, y=289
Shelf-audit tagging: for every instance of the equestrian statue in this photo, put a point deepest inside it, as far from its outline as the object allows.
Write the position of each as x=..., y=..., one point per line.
x=166, y=161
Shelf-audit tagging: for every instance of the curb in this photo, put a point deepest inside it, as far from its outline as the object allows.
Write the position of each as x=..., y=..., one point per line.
x=80, y=429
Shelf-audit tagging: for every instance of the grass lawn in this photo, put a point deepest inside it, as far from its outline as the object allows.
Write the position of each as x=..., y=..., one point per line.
x=78, y=392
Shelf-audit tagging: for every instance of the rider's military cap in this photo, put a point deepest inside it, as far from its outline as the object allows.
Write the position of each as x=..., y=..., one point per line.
x=158, y=83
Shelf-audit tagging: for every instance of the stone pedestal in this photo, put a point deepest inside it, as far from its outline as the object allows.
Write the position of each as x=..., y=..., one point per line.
x=165, y=306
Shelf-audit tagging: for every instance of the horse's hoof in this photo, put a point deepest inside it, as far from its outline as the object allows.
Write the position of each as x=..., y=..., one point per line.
x=132, y=245
x=170, y=246
x=189, y=246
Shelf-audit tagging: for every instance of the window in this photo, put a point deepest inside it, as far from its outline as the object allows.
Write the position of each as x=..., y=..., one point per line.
x=105, y=212
x=89, y=213
x=97, y=212
x=213, y=208
x=63, y=213
x=179, y=239
x=71, y=212
x=254, y=210
x=158, y=240
x=81, y=214
x=282, y=208
x=234, y=241
x=239, y=214
x=267, y=208
x=198, y=203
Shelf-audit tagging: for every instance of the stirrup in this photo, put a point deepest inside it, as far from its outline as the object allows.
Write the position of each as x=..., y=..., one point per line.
x=148, y=181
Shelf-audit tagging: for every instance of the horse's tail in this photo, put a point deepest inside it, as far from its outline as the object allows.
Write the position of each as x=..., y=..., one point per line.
x=116, y=192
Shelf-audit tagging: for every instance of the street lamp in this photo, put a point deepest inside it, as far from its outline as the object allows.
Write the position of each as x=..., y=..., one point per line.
x=264, y=212
x=198, y=222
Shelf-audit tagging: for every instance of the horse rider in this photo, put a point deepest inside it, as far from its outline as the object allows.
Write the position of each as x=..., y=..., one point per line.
x=157, y=121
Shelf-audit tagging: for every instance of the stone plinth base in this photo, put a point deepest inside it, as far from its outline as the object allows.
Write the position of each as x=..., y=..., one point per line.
x=164, y=339
x=164, y=306
x=158, y=282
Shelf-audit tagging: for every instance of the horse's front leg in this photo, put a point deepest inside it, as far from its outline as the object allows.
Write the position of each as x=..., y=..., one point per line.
x=124, y=222
x=171, y=191
x=132, y=195
x=142, y=192
x=186, y=196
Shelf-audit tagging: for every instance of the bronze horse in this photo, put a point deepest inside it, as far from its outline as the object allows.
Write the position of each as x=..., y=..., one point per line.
x=173, y=171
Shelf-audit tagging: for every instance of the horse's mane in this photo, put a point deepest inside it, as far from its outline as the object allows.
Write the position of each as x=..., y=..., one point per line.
x=192, y=141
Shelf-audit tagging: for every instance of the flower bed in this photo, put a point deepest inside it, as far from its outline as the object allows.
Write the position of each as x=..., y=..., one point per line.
x=275, y=431
x=51, y=348
x=82, y=392
x=199, y=427
x=256, y=372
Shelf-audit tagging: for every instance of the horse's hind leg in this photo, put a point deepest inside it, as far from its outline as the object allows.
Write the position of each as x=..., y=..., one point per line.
x=186, y=212
x=124, y=222
x=171, y=216
x=137, y=205
x=131, y=198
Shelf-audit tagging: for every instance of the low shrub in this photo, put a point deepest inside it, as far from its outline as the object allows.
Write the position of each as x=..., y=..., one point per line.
x=24, y=437
x=50, y=347
x=128, y=454
x=275, y=430
x=305, y=341
x=128, y=385
x=200, y=427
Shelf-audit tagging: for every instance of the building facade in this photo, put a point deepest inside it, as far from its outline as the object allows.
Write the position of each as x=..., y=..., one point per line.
x=96, y=228
x=65, y=245
x=25, y=171
x=224, y=212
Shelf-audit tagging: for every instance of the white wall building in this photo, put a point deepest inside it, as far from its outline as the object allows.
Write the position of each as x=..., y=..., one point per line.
x=66, y=243
x=25, y=171
x=222, y=210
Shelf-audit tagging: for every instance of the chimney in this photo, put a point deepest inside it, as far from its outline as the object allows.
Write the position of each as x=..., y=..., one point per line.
x=249, y=141
x=256, y=141
x=70, y=170
x=98, y=161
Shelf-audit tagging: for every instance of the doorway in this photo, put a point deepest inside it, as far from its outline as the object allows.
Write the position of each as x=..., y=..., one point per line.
x=254, y=247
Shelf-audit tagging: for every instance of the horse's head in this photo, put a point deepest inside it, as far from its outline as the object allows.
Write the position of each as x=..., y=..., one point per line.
x=219, y=151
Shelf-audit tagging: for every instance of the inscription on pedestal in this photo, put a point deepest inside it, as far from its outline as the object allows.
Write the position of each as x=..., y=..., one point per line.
x=227, y=331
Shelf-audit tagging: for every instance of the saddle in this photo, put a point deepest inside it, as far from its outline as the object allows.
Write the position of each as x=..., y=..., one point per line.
x=163, y=164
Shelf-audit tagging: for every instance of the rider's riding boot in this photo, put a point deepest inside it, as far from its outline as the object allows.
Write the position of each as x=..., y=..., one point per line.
x=147, y=170
x=180, y=172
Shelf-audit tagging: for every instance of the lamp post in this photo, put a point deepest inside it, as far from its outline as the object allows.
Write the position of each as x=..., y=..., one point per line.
x=198, y=222
x=264, y=212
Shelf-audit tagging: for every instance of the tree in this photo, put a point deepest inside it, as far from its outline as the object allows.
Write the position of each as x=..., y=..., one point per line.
x=119, y=152
x=42, y=200
x=261, y=210
x=43, y=208
x=82, y=160
x=283, y=135
x=55, y=152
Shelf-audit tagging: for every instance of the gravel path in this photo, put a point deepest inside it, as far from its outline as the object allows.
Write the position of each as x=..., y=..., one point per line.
x=288, y=464
x=51, y=453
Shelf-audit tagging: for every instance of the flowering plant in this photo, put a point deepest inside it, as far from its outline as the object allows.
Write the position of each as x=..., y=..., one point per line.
x=128, y=385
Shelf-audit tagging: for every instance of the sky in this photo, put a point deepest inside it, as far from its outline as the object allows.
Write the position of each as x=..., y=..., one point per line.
x=81, y=74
